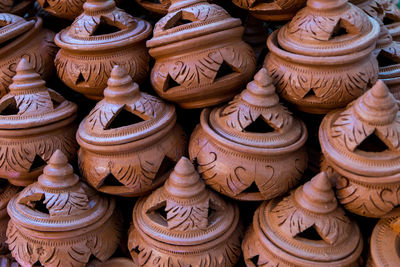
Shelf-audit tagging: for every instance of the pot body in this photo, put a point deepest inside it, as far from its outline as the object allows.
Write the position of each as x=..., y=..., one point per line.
x=67, y=9
x=391, y=76
x=224, y=168
x=87, y=72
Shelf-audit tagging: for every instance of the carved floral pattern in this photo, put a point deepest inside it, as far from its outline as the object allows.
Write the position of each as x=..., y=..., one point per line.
x=63, y=8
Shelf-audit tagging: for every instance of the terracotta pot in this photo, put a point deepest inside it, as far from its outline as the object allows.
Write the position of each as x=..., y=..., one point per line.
x=34, y=122
x=66, y=9
x=272, y=10
x=361, y=146
x=130, y=141
x=392, y=18
x=251, y=148
x=185, y=224
x=306, y=228
x=385, y=243
x=323, y=59
x=7, y=191
x=100, y=38
x=159, y=7
x=61, y=220
x=18, y=7
x=20, y=38
x=201, y=59
x=113, y=262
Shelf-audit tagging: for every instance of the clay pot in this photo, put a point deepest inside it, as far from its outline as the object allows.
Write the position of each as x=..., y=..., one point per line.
x=61, y=220
x=34, y=122
x=103, y=36
x=159, y=6
x=385, y=243
x=361, y=146
x=66, y=9
x=18, y=7
x=24, y=38
x=130, y=141
x=201, y=59
x=7, y=191
x=114, y=262
x=306, y=228
x=251, y=148
x=272, y=10
x=323, y=59
x=392, y=18
x=185, y=224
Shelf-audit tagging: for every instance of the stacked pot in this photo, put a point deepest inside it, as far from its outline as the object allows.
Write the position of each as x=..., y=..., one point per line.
x=200, y=133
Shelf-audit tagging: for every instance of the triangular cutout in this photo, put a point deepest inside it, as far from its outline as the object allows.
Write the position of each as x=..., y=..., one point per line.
x=372, y=144
x=387, y=20
x=259, y=126
x=11, y=109
x=253, y=188
x=170, y=83
x=224, y=70
x=110, y=180
x=80, y=79
x=37, y=264
x=45, y=4
x=37, y=163
x=339, y=30
x=136, y=250
x=105, y=28
x=310, y=93
x=385, y=60
x=254, y=260
x=310, y=234
x=166, y=165
x=38, y=205
x=122, y=119
x=161, y=211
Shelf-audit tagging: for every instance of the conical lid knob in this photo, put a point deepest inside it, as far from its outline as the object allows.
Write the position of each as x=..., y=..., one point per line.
x=26, y=79
x=120, y=88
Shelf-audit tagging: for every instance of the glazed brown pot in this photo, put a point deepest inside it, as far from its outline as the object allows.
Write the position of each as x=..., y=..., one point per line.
x=306, y=228
x=130, y=141
x=201, y=59
x=67, y=9
x=34, y=122
x=61, y=220
x=273, y=10
x=385, y=243
x=361, y=147
x=251, y=148
x=185, y=224
x=7, y=191
x=101, y=37
x=323, y=59
x=18, y=7
x=20, y=38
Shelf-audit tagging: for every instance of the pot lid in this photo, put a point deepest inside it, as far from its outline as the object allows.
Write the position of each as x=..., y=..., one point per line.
x=184, y=212
x=364, y=137
x=11, y=26
x=188, y=19
x=7, y=191
x=30, y=103
x=125, y=114
x=103, y=26
x=255, y=118
x=58, y=201
x=309, y=224
x=328, y=28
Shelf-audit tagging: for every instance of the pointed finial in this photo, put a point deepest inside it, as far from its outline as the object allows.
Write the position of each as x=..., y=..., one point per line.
x=26, y=79
x=58, y=173
x=377, y=106
x=261, y=92
x=317, y=195
x=184, y=181
x=120, y=86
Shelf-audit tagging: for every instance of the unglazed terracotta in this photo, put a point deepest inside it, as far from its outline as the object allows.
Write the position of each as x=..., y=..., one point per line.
x=34, y=122
x=20, y=38
x=385, y=243
x=251, y=148
x=133, y=157
x=306, y=228
x=18, y=7
x=185, y=224
x=67, y=9
x=392, y=18
x=103, y=36
x=361, y=146
x=7, y=191
x=271, y=10
x=201, y=59
x=113, y=262
x=158, y=6
x=323, y=59
x=61, y=220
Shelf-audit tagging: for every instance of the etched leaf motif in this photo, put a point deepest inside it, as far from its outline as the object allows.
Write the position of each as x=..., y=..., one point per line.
x=38, y=102
x=67, y=203
x=184, y=218
x=239, y=116
x=102, y=114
